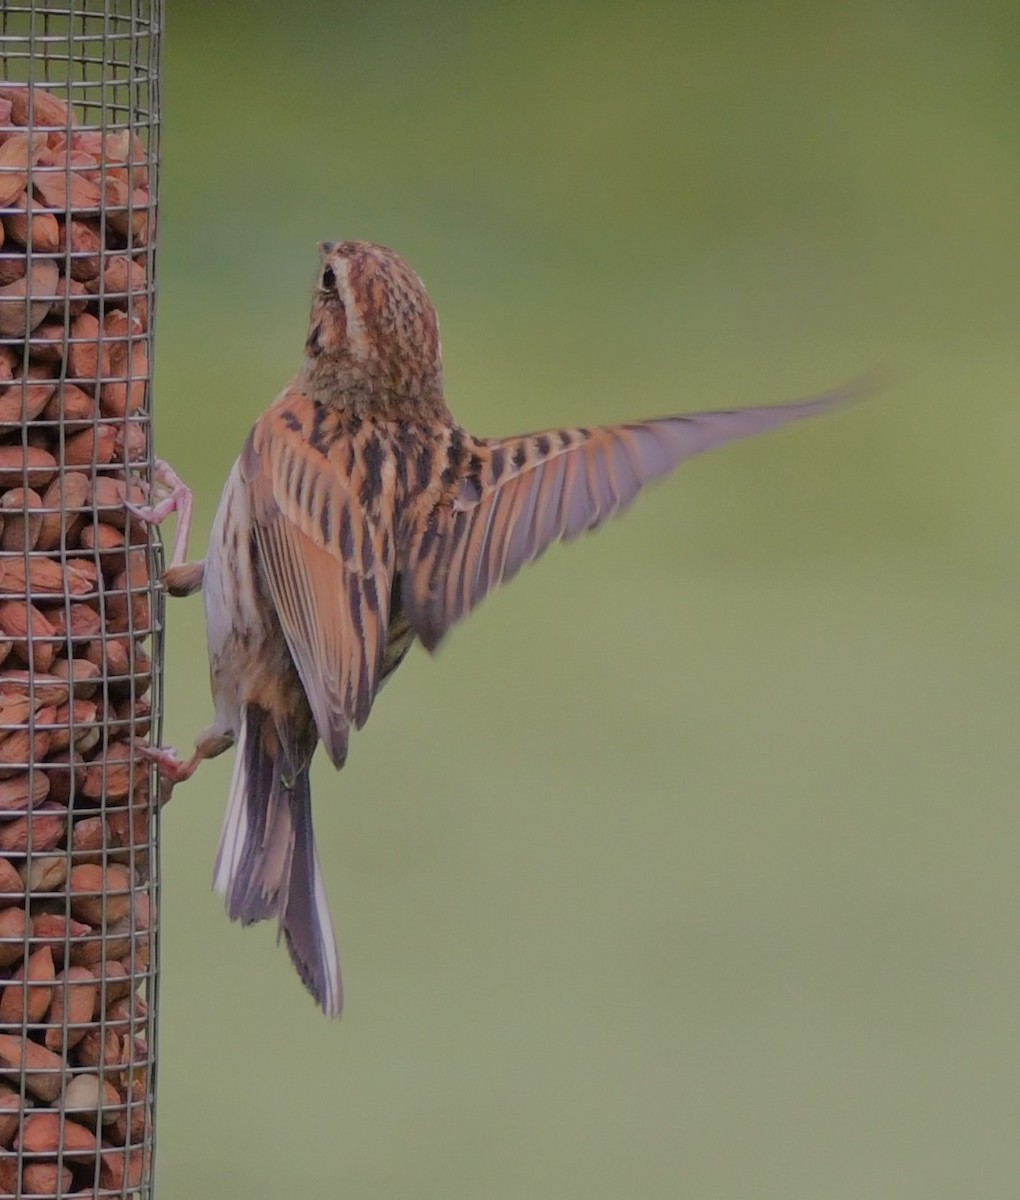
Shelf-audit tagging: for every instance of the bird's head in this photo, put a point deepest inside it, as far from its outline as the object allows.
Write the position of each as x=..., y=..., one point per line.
x=373, y=338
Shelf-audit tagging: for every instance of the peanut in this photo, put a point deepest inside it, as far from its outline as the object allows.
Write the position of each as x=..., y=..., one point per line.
x=31, y=225
x=15, y=155
x=26, y=301
x=27, y=997
x=42, y=1135
x=35, y=107
x=13, y=928
x=44, y=1070
x=76, y=1011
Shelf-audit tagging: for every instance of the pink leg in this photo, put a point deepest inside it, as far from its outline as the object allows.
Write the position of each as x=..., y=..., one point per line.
x=172, y=770
x=177, y=500
x=170, y=767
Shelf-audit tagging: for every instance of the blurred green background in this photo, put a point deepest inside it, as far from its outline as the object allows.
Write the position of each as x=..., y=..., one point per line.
x=690, y=869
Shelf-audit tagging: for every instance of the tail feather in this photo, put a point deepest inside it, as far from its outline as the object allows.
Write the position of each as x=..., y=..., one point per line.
x=305, y=921
x=267, y=865
x=235, y=822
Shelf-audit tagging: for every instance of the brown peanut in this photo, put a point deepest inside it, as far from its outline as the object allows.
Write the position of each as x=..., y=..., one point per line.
x=86, y=249
x=125, y=147
x=100, y=895
x=44, y=873
x=10, y=1110
x=123, y=280
x=87, y=358
x=23, y=399
x=71, y=299
x=102, y=537
x=13, y=928
x=37, y=107
x=131, y=444
x=111, y=656
x=32, y=635
x=57, y=931
x=122, y=1169
x=73, y=407
x=44, y=1179
x=95, y=444
x=29, y=993
x=15, y=155
x=26, y=301
x=20, y=464
x=31, y=225
x=49, y=689
x=12, y=890
x=127, y=602
x=125, y=393
x=42, y=1135
x=100, y=1048
x=75, y=720
x=76, y=621
x=128, y=212
x=75, y=1011
x=13, y=265
x=23, y=533
x=41, y=829
x=129, y=830
x=84, y=676
x=17, y=751
x=62, y=768
x=66, y=494
x=87, y=839
x=18, y=793
x=114, y=980
x=46, y=346
x=44, y=1070
x=63, y=192
x=117, y=776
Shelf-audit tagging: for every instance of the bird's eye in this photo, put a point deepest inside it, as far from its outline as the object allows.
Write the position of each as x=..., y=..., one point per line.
x=328, y=279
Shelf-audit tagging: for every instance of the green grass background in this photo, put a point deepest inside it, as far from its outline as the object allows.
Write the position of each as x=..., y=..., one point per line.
x=690, y=868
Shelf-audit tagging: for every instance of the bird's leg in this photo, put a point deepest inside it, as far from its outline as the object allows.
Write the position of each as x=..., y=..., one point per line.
x=173, y=770
x=176, y=497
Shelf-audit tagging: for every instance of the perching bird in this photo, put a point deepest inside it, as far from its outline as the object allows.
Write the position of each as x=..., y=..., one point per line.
x=359, y=517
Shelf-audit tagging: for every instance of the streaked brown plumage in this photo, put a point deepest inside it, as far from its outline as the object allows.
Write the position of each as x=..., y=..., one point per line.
x=358, y=517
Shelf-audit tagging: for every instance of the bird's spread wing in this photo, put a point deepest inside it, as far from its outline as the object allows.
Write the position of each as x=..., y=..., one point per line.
x=518, y=495
x=323, y=534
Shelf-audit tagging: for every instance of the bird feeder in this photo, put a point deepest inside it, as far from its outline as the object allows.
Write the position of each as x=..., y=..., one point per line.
x=80, y=612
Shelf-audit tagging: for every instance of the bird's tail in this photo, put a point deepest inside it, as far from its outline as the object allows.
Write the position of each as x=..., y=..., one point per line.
x=267, y=865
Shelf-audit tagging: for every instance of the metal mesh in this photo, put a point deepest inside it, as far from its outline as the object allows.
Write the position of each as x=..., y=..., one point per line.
x=80, y=616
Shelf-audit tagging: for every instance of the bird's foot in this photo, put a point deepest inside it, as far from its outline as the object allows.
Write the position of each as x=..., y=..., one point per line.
x=175, y=497
x=172, y=770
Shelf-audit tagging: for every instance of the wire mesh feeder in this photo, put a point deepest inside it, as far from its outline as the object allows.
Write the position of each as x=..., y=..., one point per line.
x=80, y=619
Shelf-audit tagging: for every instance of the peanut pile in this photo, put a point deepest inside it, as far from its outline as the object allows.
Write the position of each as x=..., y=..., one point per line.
x=76, y=896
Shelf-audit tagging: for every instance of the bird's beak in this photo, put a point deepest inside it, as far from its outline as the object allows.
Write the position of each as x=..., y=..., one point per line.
x=326, y=248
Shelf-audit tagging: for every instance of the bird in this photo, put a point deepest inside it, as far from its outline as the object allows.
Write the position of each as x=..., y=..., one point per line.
x=359, y=518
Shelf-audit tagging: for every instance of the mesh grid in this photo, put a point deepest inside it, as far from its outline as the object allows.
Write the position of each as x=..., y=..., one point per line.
x=80, y=616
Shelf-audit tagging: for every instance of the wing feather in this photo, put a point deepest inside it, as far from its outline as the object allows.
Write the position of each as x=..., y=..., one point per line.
x=327, y=561
x=535, y=490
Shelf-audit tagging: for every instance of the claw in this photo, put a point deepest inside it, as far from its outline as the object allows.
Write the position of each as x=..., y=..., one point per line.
x=176, y=498
x=172, y=770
